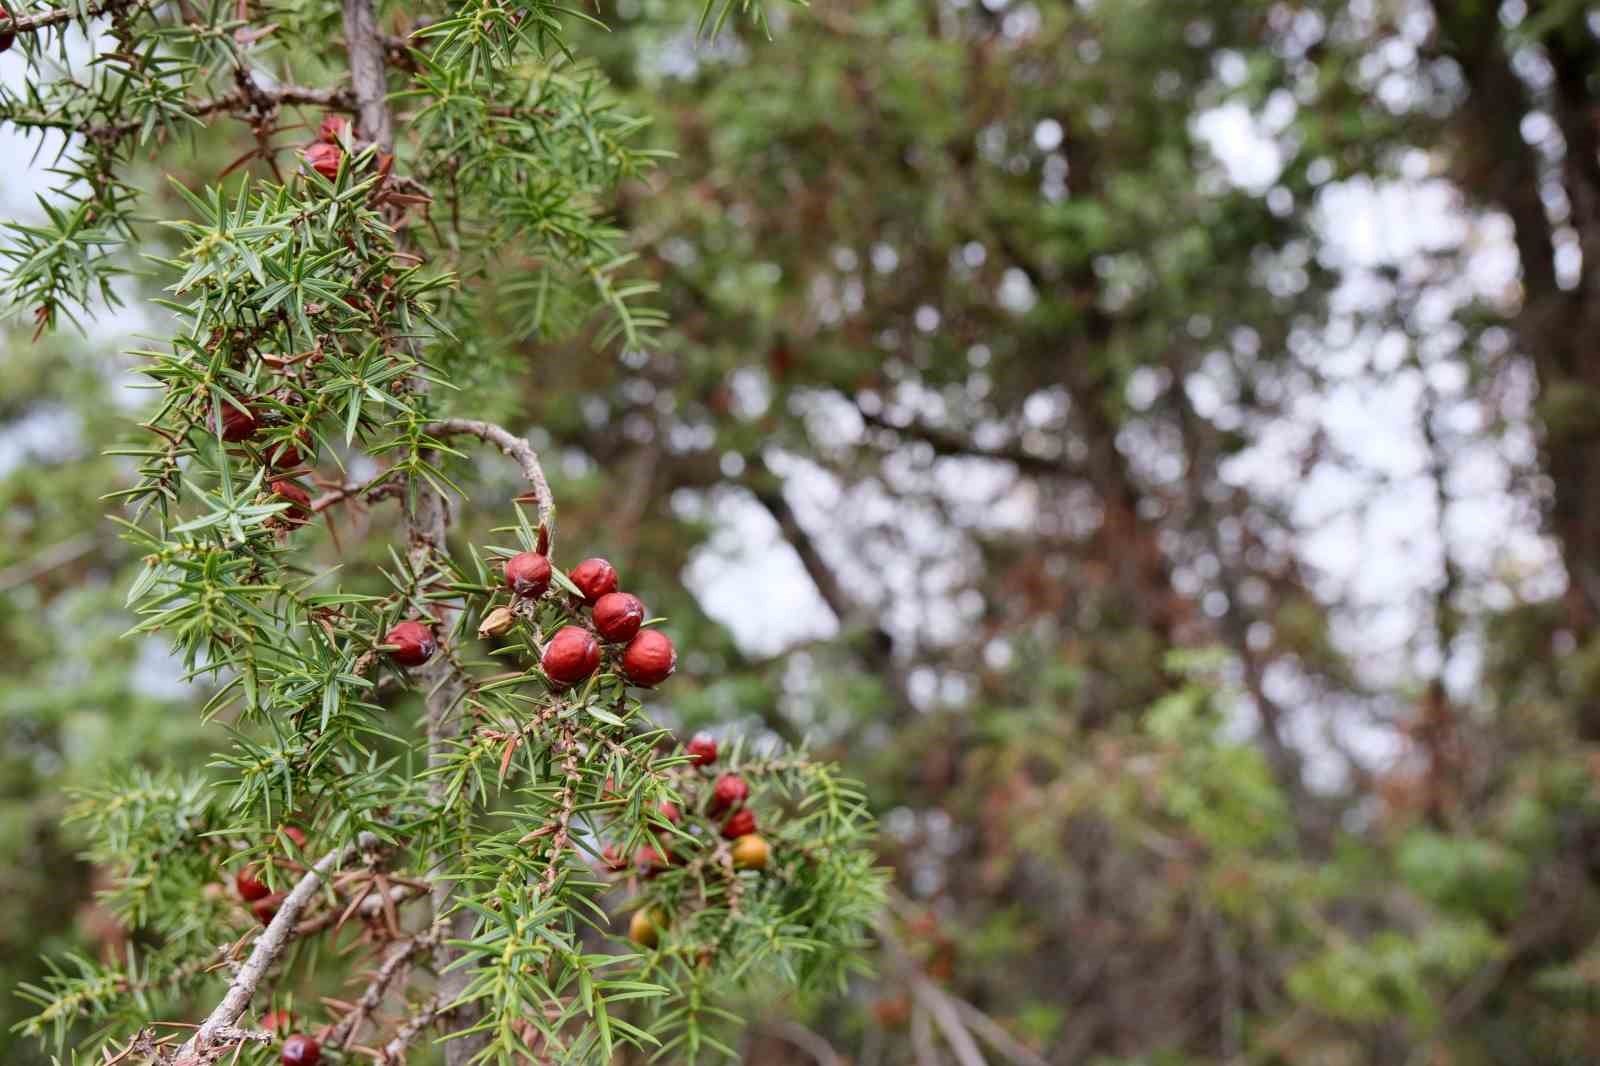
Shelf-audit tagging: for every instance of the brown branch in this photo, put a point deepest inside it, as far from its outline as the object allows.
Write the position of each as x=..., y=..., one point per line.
x=569, y=800
x=368, y=76
x=517, y=449
x=951, y=444
x=52, y=558
x=878, y=648
x=20, y=24
x=395, y=1050
x=398, y=963
x=239, y=100
x=269, y=945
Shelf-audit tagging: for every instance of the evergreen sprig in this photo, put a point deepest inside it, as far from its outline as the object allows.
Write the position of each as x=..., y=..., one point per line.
x=471, y=827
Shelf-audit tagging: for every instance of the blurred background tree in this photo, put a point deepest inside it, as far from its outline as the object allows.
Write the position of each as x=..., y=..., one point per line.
x=1151, y=442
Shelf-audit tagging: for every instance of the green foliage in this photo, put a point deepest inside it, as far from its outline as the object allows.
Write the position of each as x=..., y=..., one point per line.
x=324, y=325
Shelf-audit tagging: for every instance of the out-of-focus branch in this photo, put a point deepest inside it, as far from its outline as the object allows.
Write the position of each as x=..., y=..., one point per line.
x=395, y=1050
x=239, y=100
x=397, y=964
x=52, y=558
x=954, y=445
x=878, y=648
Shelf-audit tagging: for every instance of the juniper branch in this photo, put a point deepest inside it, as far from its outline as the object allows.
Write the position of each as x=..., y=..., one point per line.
x=515, y=448
x=268, y=947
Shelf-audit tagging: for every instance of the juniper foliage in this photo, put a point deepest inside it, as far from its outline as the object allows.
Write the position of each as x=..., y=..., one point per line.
x=465, y=830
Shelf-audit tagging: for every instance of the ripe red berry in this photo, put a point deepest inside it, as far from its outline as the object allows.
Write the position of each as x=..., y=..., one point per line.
x=299, y=512
x=651, y=861
x=670, y=812
x=413, y=643
x=288, y=454
x=324, y=158
x=238, y=425
x=703, y=749
x=251, y=887
x=301, y=1050
x=618, y=616
x=742, y=824
x=594, y=578
x=613, y=858
x=649, y=658
x=528, y=574
x=730, y=791
x=295, y=834
x=7, y=39
x=266, y=908
x=571, y=655
x=332, y=128
x=276, y=1021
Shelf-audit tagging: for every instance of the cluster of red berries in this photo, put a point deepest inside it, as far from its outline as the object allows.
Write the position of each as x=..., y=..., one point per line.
x=263, y=902
x=728, y=804
x=241, y=424
x=573, y=653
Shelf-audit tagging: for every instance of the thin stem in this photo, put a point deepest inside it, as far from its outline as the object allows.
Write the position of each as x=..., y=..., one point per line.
x=515, y=447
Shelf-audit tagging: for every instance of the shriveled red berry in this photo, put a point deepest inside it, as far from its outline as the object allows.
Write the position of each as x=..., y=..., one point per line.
x=730, y=791
x=413, y=643
x=594, y=578
x=742, y=824
x=324, y=158
x=299, y=512
x=332, y=128
x=497, y=623
x=266, y=908
x=571, y=655
x=528, y=574
x=301, y=1050
x=618, y=616
x=238, y=425
x=250, y=886
x=702, y=749
x=649, y=658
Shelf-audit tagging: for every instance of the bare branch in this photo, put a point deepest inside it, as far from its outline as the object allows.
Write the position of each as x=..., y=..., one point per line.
x=20, y=24
x=517, y=449
x=395, y=1050
x=952, y=444
x=269, y=945
x=878, y=648
x=238, y=101
x=52, y=558
x=368, y=75
x=398, y=963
